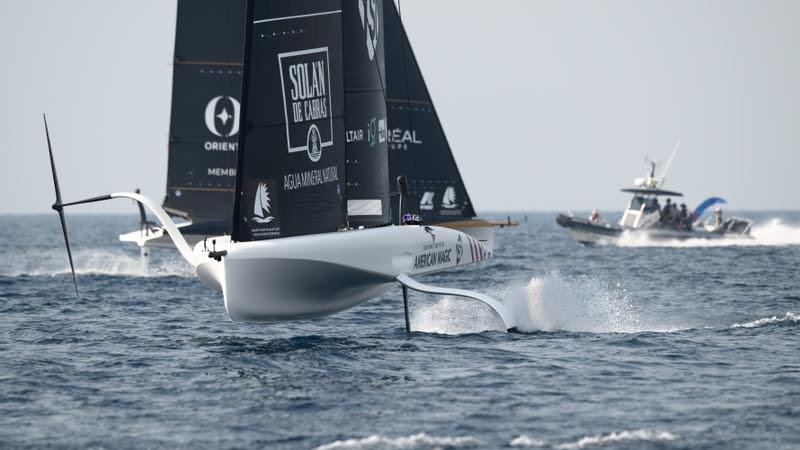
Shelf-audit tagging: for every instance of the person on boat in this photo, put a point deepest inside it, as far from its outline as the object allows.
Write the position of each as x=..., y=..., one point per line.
x=719, y=218
x=683, y=218
x=668, y=214
x=594, y=217
x=666, y=211
x=411, y=219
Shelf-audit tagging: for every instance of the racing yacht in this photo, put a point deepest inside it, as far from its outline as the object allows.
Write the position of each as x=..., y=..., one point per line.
x=645, y=217
x=204, y=128
x=311, y=229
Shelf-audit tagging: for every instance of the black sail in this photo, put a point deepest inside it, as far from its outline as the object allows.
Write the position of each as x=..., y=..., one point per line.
x=418, y=147
x=204, y=125
x=365, y=105
x=291, y=167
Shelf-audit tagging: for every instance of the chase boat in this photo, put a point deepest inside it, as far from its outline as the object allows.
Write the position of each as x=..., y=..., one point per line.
x=645, y=218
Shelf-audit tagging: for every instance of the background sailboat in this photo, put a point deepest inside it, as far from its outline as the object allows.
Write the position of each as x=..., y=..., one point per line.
x=204, y=124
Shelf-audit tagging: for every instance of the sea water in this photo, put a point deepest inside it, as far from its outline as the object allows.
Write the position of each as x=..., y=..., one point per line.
x=653, y=345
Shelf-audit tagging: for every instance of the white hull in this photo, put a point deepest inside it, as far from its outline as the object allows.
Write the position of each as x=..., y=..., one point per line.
x=313, y=276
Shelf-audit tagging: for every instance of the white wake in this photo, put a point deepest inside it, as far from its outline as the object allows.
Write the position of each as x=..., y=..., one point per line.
x=771, y=233
x=54, y=262
x=549, y=303
x=789, y=318
x=420, y=440
x=598, y=440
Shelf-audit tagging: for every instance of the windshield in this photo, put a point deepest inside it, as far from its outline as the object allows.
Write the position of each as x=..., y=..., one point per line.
x=650, y=203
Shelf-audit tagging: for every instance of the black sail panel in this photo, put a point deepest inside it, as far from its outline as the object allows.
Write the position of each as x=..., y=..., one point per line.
x=365, y=105
x=291, y=166
x=205, y=107
x=418, y=147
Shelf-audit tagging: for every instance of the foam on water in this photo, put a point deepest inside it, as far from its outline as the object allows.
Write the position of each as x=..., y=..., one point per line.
x=53, y=262
x=420, y=440
x=598, y=440
x=774, y=232
x=549, y=303
x=789, y=318
x=527, y=441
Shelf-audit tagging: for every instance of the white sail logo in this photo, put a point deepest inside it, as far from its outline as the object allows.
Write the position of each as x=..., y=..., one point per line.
x=449, y=198
x=224, y=116
x=426, y=203
x=261, y=205
x=369, y=20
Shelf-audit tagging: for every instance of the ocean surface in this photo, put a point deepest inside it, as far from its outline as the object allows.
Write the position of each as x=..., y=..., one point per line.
x=673, y=346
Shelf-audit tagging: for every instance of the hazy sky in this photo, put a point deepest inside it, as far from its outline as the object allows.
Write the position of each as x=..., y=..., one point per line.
x=549, y=105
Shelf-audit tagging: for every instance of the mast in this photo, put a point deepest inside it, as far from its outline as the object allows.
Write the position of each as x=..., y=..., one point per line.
x=367, y=148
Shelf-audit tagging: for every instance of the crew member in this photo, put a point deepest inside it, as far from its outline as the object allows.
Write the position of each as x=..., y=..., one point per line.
x=683, y=218
x=719, y=219
x=594, y=217
x=667, y=214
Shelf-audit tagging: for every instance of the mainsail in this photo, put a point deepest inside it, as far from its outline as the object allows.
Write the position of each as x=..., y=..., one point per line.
x=418, y=147
x=313, y=118
x=204, y=126
x=292, y=135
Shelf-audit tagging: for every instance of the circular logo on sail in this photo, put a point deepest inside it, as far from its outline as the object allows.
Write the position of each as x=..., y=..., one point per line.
x=368, y=10
x=222, y=116
x=314, y=144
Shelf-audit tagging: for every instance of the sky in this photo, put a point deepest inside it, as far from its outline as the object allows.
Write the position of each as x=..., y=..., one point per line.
x=548, y=105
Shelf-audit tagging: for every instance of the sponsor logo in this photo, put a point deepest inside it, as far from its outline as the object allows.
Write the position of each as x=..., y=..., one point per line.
x=310, y=178
x=313, y=144
x=375, y=133
x=372, y=132
x=435, y=255
x=264, y=221
x=261, y=205
x=222, y=116
x=400, y=139
x=305, y=79
x=459, y=250
x=368, y=10
x=381, y=131
x=426, y=203
x=221, y=172
x=354, y=136
x=222, y=120
x=449, y=198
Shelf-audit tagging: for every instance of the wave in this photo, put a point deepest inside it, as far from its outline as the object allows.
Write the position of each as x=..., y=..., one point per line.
x=600, y=439
x=549, y=303
x=773, y=233
x=97, y=262
x=527, y=441
x=420, y=440
x=788, y=318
